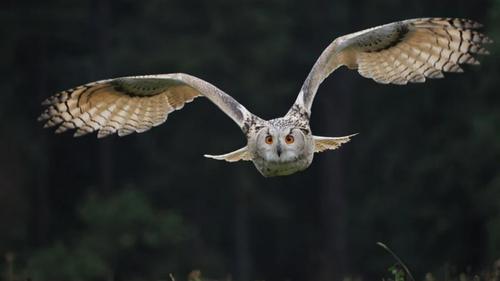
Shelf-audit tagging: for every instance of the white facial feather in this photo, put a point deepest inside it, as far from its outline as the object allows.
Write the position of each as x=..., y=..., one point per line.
x=281, y=150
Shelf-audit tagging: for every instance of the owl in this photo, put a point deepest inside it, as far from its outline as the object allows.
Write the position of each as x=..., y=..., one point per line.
x=400, y=52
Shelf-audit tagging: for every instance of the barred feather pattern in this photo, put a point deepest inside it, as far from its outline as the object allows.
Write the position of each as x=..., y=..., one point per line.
x=399, y=52
x=420, y=49
x=109, y=107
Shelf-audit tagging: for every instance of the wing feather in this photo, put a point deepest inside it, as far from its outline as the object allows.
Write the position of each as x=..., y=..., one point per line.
x=400, y=52
x=132, y=104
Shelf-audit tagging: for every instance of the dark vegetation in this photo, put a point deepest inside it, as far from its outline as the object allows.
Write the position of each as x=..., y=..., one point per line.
x=422, y=175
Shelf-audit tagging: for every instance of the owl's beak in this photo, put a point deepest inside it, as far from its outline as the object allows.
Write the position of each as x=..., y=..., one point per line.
x=278, y=149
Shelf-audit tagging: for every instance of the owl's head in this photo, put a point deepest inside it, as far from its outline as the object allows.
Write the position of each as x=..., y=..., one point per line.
x=281, y=144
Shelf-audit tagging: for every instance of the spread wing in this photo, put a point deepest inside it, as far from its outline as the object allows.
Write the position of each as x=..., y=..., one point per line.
x=399, y=52
x=132, y=104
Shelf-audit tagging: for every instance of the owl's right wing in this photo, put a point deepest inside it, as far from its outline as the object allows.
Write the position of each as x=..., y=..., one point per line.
x=398, y=53
x=133, y=104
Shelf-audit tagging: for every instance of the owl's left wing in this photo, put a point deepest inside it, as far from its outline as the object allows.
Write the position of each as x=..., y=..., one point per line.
x=399, y=52
x=133, y=104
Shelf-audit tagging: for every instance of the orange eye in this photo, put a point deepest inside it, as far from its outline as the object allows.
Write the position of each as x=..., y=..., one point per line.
x=289, y=139
x=269, y=140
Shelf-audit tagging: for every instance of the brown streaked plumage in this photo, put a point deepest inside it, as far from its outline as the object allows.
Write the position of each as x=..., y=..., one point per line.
x=397, y=53
x=400, y=52
x=131, y=104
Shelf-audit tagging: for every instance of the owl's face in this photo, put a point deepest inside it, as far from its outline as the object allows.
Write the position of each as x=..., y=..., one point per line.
x=281, y=150
x=280, y=144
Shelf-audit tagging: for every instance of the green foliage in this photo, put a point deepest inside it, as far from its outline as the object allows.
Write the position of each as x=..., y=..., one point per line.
x=119, y=232
x=60, y=263
x=397, y=272
x=129, y=221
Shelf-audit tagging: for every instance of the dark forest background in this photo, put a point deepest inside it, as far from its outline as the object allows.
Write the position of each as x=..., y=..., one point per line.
x=422, y=175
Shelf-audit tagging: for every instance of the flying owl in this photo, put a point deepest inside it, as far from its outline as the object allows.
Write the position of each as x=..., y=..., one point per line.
x=398, y=53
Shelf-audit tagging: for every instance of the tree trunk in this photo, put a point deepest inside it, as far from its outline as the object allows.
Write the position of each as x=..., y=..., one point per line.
x=335, y=111
x=333, y=202
x=241, y=231
x=41, y=200
x=100, y=13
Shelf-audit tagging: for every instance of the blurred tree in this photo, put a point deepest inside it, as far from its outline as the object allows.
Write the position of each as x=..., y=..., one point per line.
x=125, y=232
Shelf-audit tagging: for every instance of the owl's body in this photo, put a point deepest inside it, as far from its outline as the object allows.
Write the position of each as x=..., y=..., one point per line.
x=273, y=168
x=398, y=53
